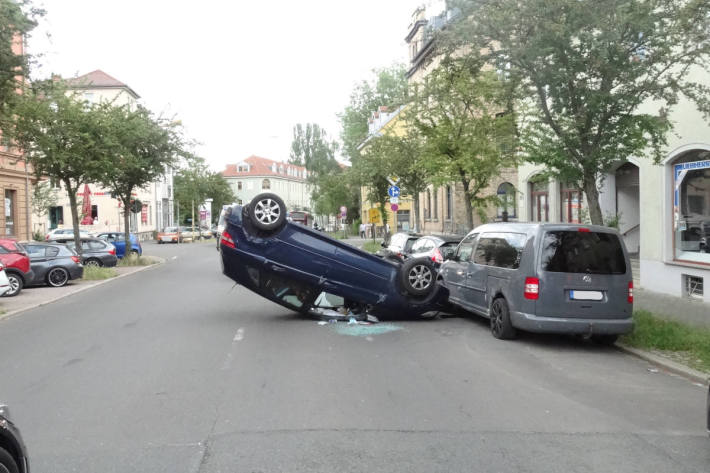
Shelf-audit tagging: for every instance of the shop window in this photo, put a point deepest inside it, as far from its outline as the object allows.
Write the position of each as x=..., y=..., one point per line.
x=570, y=203
x=539, y=200
x=506, y=201
x=691, y=206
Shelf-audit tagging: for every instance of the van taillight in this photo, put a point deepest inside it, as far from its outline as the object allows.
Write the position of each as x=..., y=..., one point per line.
x=436, y=257
x=630, y=295
x=532, y=288
x=227, y=240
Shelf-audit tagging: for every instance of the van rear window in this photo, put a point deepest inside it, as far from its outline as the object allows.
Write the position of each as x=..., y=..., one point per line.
x=582, y=252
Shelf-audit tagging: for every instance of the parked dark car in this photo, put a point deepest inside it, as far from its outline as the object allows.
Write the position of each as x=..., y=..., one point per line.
x=94, y=251
x=54, y=264
x=292, y=264
x=17, y=266
x=399, y=246
x=97, y=252
x=118, y=240
x=13, y=453
x=435, y=247
x=556, y=278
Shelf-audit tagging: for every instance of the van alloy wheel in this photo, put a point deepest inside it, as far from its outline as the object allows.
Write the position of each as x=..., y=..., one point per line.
x=501, y=326
x=57, y=277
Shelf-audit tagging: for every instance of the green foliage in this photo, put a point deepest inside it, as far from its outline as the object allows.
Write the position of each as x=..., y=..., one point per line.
x=63, y=137
x=312, y=148
x=612, y=220
x=134, y=260
x=94, y=273
x=584, y=68
x=654, y=332
x=461, y=111
x=387, y=88
x=195, y=182
x=43, y=197
x=17, y=19
x=371, y=247
x=142, y=147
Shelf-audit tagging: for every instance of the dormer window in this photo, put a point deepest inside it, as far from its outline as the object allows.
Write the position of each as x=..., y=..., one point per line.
x=243, y=167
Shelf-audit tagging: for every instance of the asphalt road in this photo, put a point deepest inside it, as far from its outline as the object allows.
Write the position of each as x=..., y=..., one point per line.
x=176, y=370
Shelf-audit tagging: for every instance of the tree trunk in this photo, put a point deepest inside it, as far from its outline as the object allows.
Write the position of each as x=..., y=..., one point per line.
x=417, y=221
x=592, y=194
x=127, y=226
x=469, y=205
x=71, y=192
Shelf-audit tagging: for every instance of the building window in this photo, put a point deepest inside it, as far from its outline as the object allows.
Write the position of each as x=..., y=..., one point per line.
x=243, y=168
x=449, y=202
x=539, y=198
x=506, y=201
x=239, y=185
x=266, y=184
x=693, y=286
x=570, y=203
x=10, y=199
x=436, y=204
x=691, y=206
x=427, y=205
x=94, y=213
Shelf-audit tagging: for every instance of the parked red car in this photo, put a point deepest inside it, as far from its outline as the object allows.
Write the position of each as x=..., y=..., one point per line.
x=17, y=265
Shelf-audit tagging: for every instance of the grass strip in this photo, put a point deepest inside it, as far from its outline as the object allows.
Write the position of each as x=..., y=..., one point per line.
x=371, y=247
x=95, y=273
x=684, y=343
x=133, y=260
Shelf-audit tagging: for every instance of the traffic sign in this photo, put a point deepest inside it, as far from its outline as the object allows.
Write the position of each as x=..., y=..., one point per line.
x=374, y=215
x=343, y=209
x=394, y=207
x=394, y=200
x=393, y=180
x=393, y=191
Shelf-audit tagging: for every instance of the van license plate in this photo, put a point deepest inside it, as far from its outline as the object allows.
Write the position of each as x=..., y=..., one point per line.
x=586, y=295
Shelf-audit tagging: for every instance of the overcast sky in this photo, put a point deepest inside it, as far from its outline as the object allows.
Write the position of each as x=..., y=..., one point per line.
x=239, y=74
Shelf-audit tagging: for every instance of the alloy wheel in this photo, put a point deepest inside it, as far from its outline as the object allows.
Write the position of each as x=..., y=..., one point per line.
x=58, y=277
x=267, y=211
x=420, y=277
x=14, y=284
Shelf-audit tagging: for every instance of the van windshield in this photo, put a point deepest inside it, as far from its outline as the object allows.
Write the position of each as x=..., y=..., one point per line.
x=582, y=252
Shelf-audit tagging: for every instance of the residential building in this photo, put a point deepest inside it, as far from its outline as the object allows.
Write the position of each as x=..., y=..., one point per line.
x=443, y=208
x=381, y=122
x=106, y=211
x=16, y=178
x=255, y=175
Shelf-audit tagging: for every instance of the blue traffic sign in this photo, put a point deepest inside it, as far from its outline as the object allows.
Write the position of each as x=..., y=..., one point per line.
x=393, y=191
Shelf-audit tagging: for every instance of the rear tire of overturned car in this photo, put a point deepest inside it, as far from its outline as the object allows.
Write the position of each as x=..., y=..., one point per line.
x=267, y=212
x=418, y=276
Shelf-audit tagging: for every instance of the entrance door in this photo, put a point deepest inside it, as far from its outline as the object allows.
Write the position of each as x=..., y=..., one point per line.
x=56, y=217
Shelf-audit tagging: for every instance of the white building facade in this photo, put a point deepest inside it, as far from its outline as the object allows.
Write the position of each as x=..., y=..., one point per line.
x=255, y=175
x=157, y=209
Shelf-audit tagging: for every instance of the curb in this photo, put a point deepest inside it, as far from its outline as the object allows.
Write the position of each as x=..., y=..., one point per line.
x=15, y=312
x=667, y=365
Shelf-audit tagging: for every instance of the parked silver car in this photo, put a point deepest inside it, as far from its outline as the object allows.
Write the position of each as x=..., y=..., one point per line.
x=555, y=278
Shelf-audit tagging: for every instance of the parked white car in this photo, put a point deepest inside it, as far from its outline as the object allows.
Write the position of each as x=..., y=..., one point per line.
x=4, y=282
x=63, y=233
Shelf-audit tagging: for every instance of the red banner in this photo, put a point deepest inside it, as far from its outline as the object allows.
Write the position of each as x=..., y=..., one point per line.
x=144, y=214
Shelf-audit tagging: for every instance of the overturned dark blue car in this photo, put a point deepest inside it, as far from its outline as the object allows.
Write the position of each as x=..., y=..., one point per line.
x=292, y=265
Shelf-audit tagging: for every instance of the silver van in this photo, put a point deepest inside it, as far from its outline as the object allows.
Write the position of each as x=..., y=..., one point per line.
x=556, y=278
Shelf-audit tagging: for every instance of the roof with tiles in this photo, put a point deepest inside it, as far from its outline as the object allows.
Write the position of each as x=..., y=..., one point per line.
x=258, y=166
x=98, y=79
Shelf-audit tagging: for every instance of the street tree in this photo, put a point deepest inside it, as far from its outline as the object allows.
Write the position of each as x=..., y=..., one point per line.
x=460, y=109
x=195, y=182
x=142, y=147
x=63, y=137
x=602, y=75
x=312, y=148
x=17, y=20
x=387, y=88
x=44, y=196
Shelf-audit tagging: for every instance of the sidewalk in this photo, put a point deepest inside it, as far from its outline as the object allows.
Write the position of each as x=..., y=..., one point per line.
x=681, y=309
x=32, y=297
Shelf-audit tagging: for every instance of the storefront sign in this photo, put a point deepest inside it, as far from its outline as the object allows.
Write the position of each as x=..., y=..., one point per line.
x=144, y=214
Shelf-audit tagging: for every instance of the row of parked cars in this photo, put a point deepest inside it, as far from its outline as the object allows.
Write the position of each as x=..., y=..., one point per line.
x=183, y=234
x=55, y=261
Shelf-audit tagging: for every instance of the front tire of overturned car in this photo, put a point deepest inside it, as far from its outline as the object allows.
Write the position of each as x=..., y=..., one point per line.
x=267, y=212
x=418, y=276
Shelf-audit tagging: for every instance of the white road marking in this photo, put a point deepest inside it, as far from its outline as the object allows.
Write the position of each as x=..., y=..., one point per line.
x=239, y=336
